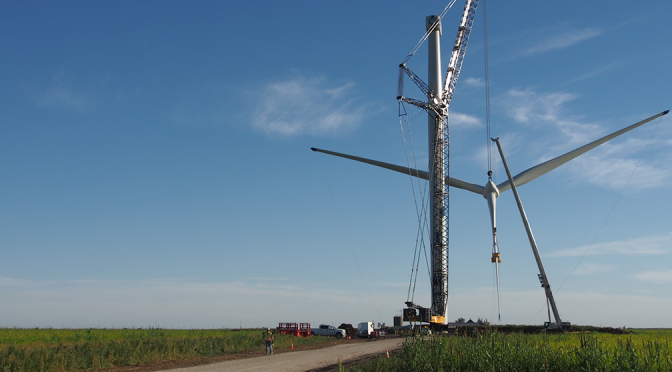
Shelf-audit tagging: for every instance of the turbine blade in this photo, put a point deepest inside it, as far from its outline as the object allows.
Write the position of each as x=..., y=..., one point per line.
x=406, y=170
x=466, y=185
x=543, y=168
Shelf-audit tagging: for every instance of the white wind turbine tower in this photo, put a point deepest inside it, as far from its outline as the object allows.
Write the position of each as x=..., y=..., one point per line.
x=439, y=96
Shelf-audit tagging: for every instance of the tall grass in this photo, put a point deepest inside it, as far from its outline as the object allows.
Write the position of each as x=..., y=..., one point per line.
x=518, y=352
x=31, y=350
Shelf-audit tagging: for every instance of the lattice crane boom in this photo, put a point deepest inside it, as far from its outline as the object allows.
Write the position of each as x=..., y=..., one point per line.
x=459, y=49
x=438, y=99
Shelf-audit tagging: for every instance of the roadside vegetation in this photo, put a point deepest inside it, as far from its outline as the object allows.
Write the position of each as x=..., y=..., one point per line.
x=31, y=350
x=641, y=350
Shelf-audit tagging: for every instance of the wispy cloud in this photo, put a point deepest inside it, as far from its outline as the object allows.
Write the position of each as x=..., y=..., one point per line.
x=61, y=94
x=593, y=269
x=170, y=303
x=474, y=82
x=464, y=121
x=560, y=40
x=648, y=245
x=610, y=165
x=593, y=73
x=616, y=172
x=526, y=106
x=308, y=106
x=266, y=278
x=390, y=284
x=543, y=109
x=656, y=277
x=620, y=163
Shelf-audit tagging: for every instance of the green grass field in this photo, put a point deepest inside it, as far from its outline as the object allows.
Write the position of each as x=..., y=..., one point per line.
x=92, y=349
x=642, y=350
x=31, y=350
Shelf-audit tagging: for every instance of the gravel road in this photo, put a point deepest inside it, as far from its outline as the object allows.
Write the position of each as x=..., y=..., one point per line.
x=302, y=360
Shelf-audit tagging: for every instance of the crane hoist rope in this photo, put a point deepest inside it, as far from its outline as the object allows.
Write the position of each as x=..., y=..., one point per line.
x=496, y=256
x=420, y=211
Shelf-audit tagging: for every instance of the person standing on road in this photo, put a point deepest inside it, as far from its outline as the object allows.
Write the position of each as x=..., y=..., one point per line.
x=268, y=338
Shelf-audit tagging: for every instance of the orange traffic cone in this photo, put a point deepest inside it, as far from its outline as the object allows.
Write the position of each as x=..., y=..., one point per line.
x=387, y=353
x=292, y=346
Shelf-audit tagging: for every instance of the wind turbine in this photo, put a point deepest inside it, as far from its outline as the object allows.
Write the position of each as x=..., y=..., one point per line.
x=439, y=95
x=490, y=191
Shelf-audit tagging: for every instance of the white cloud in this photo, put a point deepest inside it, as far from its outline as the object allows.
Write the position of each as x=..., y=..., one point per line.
x=180, y=303
x=390, y=284
x=265, y=278
x=60, y=94
x=617, y=172
x=304, y=106
x=619, y=163
x=564, y=39
x=548, y=109
x=610, y=165
x=656, y=277
x=648, y=245
x=593, y=269
x=184, y=303
x=474, y=82
x=12, y=282
x=532, y=108
x=527, y=106
x=596, y=72
x=460, y=121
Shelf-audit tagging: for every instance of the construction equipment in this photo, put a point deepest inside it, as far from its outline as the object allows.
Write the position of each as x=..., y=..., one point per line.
x=438, y=101
x=543, y=279
x=438, y=175
x=295, y=329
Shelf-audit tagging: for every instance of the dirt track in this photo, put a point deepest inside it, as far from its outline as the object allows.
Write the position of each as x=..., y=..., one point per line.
x=312, y=360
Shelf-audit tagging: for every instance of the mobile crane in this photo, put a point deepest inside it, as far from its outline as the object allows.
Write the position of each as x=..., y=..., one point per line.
x=438, y=175
x=438, y=101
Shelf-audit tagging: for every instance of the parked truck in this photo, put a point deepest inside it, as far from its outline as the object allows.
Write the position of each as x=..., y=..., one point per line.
x=327, y=330
x=364, y=329
x=555, y=327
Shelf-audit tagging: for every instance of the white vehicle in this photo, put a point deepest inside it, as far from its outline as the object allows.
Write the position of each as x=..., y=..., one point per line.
x=364, y=329
x=327, y=330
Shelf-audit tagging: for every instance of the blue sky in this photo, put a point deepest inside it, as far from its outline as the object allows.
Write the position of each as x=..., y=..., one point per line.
x=155, y=165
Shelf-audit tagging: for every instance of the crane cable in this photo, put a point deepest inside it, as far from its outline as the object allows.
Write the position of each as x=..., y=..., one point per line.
x=420, y=212
x=422, y=40
x=488, y=137
x=495, y=246
x=347, y=238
